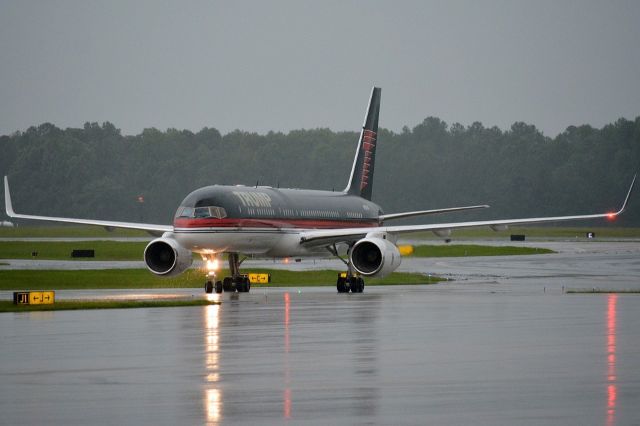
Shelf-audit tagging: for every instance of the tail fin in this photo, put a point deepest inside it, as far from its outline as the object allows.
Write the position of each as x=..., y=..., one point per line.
x=361, y=179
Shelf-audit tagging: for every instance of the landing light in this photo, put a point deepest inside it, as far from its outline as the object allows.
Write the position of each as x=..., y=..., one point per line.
x=213, y=265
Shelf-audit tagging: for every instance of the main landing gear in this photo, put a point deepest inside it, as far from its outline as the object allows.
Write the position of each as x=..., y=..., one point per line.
x=236, y=282
x=347, y=281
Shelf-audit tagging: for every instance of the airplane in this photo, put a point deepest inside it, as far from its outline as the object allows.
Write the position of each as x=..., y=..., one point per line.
x=283, y=223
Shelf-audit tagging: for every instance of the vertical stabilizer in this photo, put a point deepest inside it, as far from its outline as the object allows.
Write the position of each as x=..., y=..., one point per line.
x=361, y=179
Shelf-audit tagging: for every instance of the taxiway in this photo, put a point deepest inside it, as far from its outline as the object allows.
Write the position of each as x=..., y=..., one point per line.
x=502, y=344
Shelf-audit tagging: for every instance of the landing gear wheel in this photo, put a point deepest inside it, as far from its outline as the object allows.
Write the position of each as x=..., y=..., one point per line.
x=240, y=285
x=208, y=287
x=243, y=284
x=218, y=287
x=352, y=284
x=227, y=284
x=357, y=285
x=342, y=285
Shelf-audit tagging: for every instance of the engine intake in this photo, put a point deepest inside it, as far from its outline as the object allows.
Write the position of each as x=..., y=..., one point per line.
x=164, y=256
x=375, y=257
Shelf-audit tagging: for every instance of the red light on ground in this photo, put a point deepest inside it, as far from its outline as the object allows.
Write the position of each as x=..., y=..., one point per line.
x=140, y=199
x=612, y=395
x=611, y=216
x=612, y=386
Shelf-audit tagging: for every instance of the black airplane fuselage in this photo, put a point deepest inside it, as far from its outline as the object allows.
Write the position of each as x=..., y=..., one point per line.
x=262, y=206
x=264, y=220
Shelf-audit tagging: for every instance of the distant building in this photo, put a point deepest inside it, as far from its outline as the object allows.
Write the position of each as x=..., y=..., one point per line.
x=6, y=224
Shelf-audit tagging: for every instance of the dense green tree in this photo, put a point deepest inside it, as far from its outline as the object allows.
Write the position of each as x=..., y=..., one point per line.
x=95, y=171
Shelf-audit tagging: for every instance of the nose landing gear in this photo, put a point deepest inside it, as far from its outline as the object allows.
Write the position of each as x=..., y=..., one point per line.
x=236, y=282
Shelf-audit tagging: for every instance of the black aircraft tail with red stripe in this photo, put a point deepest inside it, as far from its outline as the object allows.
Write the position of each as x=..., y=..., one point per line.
x=361, y=179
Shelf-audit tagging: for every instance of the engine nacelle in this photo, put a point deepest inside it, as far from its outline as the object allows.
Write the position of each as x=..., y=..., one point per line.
x=375, y=257
x=164, y=256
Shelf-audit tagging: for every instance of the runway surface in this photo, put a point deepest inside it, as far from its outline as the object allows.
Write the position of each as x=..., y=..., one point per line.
x=500, y=345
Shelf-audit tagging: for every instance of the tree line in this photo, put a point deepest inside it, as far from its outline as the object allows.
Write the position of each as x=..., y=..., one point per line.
x=96, y=172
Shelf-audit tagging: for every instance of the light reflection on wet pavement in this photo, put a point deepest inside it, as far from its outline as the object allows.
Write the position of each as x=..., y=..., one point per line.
x=511, y=349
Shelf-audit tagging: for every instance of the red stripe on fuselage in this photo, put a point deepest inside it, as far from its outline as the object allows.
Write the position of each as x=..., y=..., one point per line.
x=272, y=223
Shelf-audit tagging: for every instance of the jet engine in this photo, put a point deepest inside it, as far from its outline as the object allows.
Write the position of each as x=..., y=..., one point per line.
x=164, y=256
x=374, y=256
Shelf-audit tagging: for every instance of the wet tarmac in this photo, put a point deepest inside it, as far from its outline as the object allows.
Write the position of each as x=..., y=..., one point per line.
x=500, y=345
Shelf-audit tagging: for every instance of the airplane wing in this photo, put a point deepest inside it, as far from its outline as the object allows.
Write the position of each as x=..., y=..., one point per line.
x=427, y=212
x=331, y=236
x=106, y=223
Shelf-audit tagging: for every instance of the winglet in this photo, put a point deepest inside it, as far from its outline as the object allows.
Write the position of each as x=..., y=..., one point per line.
x=626, y=200
x=7, y=199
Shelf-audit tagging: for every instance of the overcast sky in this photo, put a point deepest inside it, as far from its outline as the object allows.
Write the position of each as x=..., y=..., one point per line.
x=283, y=65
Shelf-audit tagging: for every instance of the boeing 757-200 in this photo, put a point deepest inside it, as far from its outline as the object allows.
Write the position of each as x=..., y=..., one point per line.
x=274, y=222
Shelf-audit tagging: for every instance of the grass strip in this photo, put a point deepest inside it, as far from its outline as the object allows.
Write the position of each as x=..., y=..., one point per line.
x=461, y=250
x=71, y=305
x=193, y=278
x=327, y=277
x=115, y=250
x=54, y=250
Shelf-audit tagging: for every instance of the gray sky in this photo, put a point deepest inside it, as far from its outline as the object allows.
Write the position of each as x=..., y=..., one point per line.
x=283, y=65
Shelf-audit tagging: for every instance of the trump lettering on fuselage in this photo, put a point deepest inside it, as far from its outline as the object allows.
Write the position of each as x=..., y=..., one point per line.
x=253, y=199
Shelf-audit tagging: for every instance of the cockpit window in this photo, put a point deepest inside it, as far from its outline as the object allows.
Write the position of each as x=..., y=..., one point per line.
x=185, y=212
x=219, y=212
x=202, y=212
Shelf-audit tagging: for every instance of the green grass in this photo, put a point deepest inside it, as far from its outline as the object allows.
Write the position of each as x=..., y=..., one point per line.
x=104, y=250
x=141, y=278
x=69, y=305
x=94, y=279
x=114, y=250
x=68, y=231
x=460, y=250
x=286, y=278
